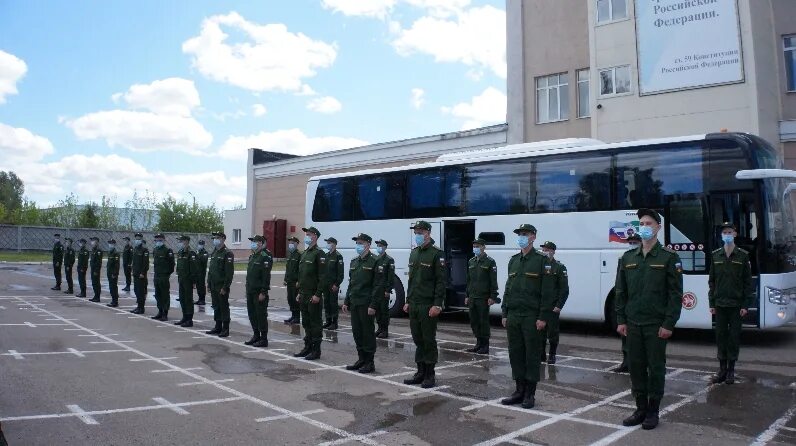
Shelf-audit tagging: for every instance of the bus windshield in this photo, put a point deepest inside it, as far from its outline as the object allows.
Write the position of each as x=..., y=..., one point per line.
x=780, y=203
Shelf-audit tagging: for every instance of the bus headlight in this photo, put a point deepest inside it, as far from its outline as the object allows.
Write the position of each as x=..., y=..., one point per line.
x=780, y=297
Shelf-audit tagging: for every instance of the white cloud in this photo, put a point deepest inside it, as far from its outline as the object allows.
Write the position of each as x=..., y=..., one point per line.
x=271, y=59
x=292, y=141
x=223, y=116
x=18, y=145
x=418, y=98
x=440, y=8
x=12, y=69
x=306, y=90
x=326, y=104
x=259, y=110
x=172, y=96
x=487, y=108
x=362, y=8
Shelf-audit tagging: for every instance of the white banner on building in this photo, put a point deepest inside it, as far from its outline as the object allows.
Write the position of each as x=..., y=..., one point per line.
x=686, y=44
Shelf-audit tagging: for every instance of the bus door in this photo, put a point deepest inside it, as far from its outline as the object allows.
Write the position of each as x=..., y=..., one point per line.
x=458, y=246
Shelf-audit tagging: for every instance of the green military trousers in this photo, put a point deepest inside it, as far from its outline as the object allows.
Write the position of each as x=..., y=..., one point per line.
x=728, y=332
x=140, y=290
x=186, y=296
x=295, y=307
x=162, y=297
x=525, y=347
x=362, y=325
x=551, y=331
x=311, y=320
x=220, y=304
x=479, y=317
x=646, y=356
x=330, y=306
x=258, y=313
x=383, y=312
x=424, y=333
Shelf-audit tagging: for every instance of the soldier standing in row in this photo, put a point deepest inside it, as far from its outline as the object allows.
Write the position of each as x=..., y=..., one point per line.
x=385, y=281
x=334, y=277
x=633, y=241
x=163, y=267
x=202, y=257
x=140, y=267
x=482, y=290
x=220, y=272
x=82, y=266
x=69, y=261
x=291, y=279
x=360, y=299
x=526, y=310
x=649, y=296
x=186, y=278
x=258, y=284
x=730, y=292
x=95, y=263
x=58, y=259
x=424, y=299
x=112, y=273
x=127, y=263
x=311, y=282
x=559, y=289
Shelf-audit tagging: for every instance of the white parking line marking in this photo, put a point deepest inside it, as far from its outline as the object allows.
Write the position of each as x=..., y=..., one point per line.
x=152, y=359
x=282, y=417
x=15, y=354
x=361, y=438
x=772, y=430
x=80, y=413
x=422, y=391
x=76, y=353
x=197, y=383
x=175, y=369
x=171, y=406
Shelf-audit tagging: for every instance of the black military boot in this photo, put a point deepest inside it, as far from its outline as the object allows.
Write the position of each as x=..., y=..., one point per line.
x=216, y=330
x=315, y=353
x=113, y=304
x=94, y=299
x=529, y=398
x=180, y=322
x=721, y=375
x=515, y=397
x=127, y=288
x=333, y=325
x=262, y=343
x=639, y=415
x=417, y=378
x=369, y=366
x=157, y=316
x=623, y=366
x=429, y=378
x=296, y=318
x=288, y=321
x=475, y=348
x=651, y=420
x=188, y=322
x=224, y=330
x=304, y=351
x=255, y=337
x=551, y=359
x=382, y=334
x=730, y=372
x=200, y=302
x=327, y=323
x=137, y=310
x=484, y=349
x=165, y=316
x=360, y=362
x=56, y=288
x=69, y=291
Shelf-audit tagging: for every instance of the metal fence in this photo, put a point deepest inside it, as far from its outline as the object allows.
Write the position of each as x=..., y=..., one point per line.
x=40, y=238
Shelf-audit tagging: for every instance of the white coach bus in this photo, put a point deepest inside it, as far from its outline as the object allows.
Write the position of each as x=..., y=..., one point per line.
x=583, y=195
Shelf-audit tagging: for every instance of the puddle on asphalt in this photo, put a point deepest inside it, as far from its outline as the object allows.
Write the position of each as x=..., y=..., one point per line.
x=222, y=360
x=16, y=287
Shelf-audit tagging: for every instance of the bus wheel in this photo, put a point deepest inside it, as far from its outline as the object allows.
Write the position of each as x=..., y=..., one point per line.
x=610, y=314
x=397, y=300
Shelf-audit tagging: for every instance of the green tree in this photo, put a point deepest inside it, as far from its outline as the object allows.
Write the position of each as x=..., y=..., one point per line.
x=12, y=190
x=65, y=214
x=181, y=216
x=88, y=217
x=26, y=214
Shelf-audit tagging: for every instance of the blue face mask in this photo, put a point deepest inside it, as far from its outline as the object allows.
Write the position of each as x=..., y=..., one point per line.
x=291, y=247
x=329, y=248
x=523, y=241
x=111, y=247
x=201, y=246
x=646, y=232
x=419, y=239
x=379, y=250
x=216, y=242
x=727, y=238
x=360, y=249
x=477, y=251
x=307, y=240
x=253, y=245
x=158, y=244
x=137, y=242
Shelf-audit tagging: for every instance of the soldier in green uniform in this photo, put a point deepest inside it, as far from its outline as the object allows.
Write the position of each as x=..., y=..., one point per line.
x=559, y=287
x=424, y=299
x=527, y=306
x=95, y=263
x=82, y=266
x=649, y=295
x=311, y=282
x=69, y=261
x=220, y=272
x=140, y=267
x=360, y=299
x=162, y=267
x=112, y=273
x=385, y=281
x=58, y=259
x=258, y=283
x=186, y=278
x=127, y=263
x=202, y=256
x=730, y=292
x=291, y=279
x=482, y=290
x=633, y=242
x=334, y=277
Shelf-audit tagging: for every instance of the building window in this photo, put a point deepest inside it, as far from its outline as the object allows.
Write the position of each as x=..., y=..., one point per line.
x=790, y=61
x=236, y=236
x=552, y=98
x=615, y=80
x=584, y=106
x=611, y=10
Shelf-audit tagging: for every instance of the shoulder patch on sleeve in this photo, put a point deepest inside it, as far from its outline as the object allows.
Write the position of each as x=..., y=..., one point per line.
x=667, y=249
x=442, y=261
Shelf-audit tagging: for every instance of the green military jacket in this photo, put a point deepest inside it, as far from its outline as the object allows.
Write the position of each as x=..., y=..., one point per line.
x=427, y=276
x=127, y=256
x=96, y=260
x=186, y=265
x=292, y=267
x=58, y=253
x=730, y=280
x=258, y=273
x=334, y=268
x=559, y=283
x=385, y=275
x=140, y=261
x=482, y=277
x=113, y=264
x=311, y=272
x=82, y=258
x=163, y=261
x=649, y=290
x=202, y=256
x=362, y=279
x=69, y=256
x=527, y=290
x=221, y=268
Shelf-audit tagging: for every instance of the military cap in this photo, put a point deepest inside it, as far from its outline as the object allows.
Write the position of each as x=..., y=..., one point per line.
x=293, y=239
x=479, y=241
x=184, y=238
x=421, y=224
x=220, y=234
x=649, y=213
x=160, y=236
x=257, y=238
x=313, y=230
x=138, y=235
x=382, y=242
x=68, y=239
x=82, y=240
x=126, y=238
x=201, y=242
x=94, y=238
x=112, y=241
x=56, y=235
x=549, y=245
x=362, y=236
x=727, y=224
x=525, y=227
x=634, y=238
x=330, y=240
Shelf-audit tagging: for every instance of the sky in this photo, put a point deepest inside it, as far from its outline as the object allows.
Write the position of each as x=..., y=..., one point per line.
x=107, y=98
